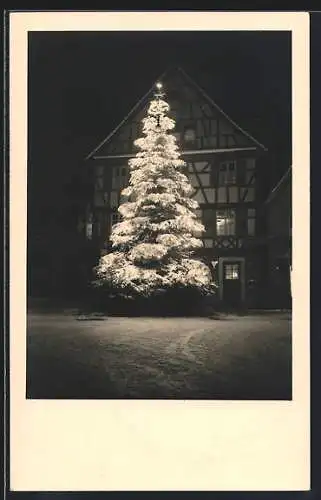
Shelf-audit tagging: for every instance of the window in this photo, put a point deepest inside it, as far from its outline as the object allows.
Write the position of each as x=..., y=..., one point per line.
x=225, y=222
x=89, y=225
x=123, y=176
x=231, y=272
x=227, y=173
x=89, y=230
x=120, y=175
x=189, y=135
x=251, y=221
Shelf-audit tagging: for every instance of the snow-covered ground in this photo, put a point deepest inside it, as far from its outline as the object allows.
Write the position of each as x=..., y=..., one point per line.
x=233, y=357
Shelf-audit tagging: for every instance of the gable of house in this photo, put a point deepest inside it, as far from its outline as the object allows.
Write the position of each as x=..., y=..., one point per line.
x=194, y=112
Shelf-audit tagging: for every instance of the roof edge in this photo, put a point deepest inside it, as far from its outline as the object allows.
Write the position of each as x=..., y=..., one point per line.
x=220, y=110
x=131, y=112
x=278, y=186
x=197, y=87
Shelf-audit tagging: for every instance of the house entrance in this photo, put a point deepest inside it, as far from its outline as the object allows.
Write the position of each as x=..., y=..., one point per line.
x=232, y=283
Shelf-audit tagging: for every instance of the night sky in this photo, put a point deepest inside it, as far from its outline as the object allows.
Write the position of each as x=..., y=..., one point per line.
x=82, y=84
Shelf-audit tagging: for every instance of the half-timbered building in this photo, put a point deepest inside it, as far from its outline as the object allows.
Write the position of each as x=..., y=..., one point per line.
x=224, y=165
x=279, y=243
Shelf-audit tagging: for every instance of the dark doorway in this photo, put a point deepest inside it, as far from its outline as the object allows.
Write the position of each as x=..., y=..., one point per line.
x=232, y=290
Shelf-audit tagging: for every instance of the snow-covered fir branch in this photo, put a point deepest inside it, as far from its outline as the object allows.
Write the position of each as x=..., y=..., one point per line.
x=154, y=245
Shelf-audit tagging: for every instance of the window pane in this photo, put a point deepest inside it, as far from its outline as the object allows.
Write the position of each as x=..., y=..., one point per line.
x=231, y=272
x=189, y=135
x=225, y=222
x=251, y=212
x=227, y=173
x=231, y=178
x=89, y=230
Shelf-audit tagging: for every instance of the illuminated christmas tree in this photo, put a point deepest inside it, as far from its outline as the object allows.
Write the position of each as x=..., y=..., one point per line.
x=154, y=246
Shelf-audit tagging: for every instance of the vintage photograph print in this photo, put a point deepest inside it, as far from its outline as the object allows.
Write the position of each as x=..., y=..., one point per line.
x=159, y=215
x=159, y=251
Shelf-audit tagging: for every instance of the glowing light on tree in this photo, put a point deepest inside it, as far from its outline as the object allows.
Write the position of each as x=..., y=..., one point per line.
x=154, y=245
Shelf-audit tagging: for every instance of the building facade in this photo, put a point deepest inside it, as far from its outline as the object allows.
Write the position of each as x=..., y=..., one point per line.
x=279, y=243
x=224, y=164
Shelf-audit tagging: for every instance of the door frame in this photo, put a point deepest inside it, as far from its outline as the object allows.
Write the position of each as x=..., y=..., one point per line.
x=221, y=262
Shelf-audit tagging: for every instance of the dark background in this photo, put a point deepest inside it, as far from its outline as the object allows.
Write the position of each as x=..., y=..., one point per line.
x=82, y=84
